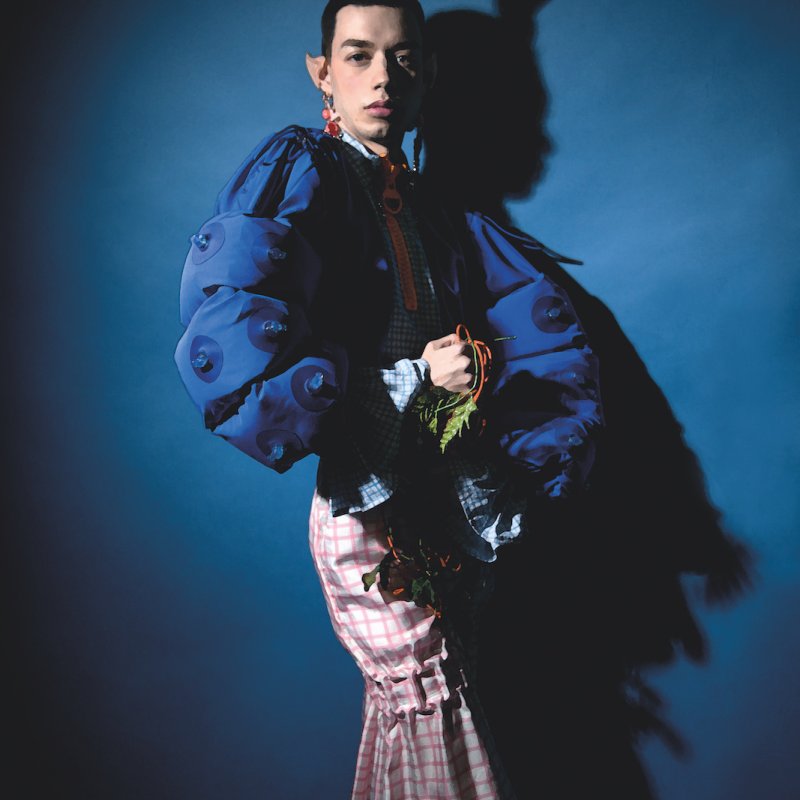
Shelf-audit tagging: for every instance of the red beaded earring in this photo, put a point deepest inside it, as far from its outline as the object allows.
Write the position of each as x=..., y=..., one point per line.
x=331, y=128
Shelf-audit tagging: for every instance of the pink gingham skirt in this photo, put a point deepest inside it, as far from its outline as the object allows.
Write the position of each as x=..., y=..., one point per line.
x=424, y=736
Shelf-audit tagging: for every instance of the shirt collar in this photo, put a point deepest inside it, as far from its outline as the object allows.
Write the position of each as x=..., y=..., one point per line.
x=364, y=150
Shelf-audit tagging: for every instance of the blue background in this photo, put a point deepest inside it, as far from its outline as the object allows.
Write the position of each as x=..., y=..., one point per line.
x=171, y=636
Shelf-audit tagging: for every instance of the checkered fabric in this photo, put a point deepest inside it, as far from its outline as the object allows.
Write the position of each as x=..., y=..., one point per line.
x=378, y=398
x=424, y=733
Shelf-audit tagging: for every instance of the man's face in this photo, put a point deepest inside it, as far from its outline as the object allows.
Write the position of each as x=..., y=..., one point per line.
x=376, y=55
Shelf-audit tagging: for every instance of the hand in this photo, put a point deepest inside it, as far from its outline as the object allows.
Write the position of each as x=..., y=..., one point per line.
x=451, y=363
x=401, y=574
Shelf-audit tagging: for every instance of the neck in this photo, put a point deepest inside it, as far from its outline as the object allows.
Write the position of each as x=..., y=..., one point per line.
x=393, y=146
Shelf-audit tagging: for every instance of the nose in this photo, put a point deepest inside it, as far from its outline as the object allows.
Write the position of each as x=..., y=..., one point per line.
x=381, y=69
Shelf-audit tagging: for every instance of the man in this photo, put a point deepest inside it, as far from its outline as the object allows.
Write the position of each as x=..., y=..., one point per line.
x=322, y=300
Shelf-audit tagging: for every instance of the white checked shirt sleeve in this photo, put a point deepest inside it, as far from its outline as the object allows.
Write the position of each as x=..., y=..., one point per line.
x=493, y=503
x=405, y=380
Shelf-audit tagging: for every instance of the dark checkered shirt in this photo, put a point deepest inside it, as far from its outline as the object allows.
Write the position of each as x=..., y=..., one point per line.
x=379, y=397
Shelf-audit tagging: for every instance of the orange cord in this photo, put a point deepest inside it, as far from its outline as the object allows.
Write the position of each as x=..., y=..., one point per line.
x=483, y=354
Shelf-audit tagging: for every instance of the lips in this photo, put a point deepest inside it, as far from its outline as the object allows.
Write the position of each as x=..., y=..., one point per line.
x=381, y=109
x=381, y=104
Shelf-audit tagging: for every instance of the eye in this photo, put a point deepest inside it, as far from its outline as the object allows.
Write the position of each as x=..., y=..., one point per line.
x=408, y=61
x=356, y=57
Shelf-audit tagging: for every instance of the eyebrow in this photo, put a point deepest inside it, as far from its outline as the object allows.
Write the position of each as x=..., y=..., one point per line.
x=364, y=43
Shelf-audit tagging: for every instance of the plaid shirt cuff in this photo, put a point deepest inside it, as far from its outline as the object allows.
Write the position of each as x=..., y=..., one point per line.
x=405, y=380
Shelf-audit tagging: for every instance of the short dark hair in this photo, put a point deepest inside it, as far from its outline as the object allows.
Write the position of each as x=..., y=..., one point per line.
x=328, y=23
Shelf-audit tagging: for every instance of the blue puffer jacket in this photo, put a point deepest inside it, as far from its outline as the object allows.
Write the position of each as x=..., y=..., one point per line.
x=281, y=293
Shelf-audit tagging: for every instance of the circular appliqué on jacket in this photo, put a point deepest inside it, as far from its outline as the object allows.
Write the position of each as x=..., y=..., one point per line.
x=280, y=447
x=551, y=314
x=267, y=253
x=580, y=375
x=207, y=241
x=205, y=355
x=313, y=387
x=267, y=328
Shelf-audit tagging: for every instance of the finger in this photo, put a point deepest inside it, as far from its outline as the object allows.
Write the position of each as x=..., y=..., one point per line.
x=466, y=349
x=466, y=363
x=445, y=341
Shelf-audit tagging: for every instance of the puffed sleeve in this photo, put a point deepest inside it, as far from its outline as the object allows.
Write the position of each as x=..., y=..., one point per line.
x=544, y=408
x=250, y=357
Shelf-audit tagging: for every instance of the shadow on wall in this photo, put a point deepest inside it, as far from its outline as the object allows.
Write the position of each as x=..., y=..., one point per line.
x=488, y=95
x=598, y=589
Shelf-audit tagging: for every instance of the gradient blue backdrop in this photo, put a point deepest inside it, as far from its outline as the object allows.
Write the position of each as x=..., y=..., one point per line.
x=172, y=608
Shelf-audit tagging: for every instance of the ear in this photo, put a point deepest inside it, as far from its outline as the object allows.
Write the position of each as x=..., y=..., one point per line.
x=429, y=70
x=317, y=67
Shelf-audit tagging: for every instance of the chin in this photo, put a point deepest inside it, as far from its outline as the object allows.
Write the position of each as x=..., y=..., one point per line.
x=377, y=128
x=380, y=129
